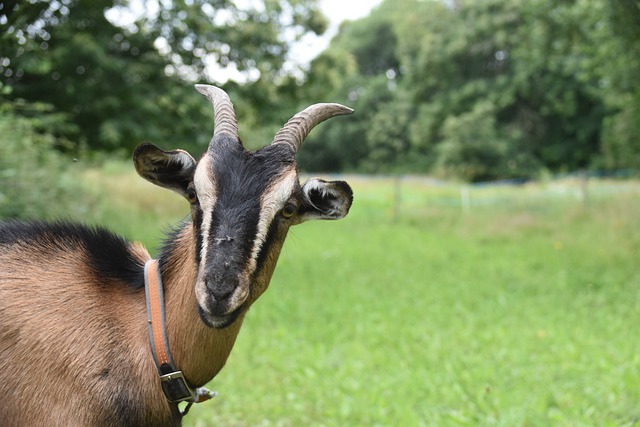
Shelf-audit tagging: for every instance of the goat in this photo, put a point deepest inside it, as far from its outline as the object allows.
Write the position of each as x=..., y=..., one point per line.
x=74, y=347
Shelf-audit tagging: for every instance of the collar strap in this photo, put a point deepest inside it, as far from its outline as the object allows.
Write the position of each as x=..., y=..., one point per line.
x=174, y=384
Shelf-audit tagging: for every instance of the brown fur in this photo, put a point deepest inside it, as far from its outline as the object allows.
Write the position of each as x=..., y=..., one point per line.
x=75, y=353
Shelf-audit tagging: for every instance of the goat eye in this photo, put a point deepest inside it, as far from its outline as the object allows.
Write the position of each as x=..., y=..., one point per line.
x=288, y=210
x=192, y=197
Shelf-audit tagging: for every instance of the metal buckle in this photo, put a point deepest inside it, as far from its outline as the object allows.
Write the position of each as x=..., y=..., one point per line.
x=175, y=387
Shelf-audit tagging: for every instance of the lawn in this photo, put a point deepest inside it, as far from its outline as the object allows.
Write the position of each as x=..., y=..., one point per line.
x=502, y=306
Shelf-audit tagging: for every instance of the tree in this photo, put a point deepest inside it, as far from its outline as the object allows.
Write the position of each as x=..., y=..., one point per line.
x=472, y=148
x=358, y=70
x=121, y=85
x=621, y=55
x=545, y=83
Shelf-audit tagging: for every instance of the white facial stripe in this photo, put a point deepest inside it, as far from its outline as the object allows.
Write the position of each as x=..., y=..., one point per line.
x=203, y=181
x=205, y=187
x=270, y=204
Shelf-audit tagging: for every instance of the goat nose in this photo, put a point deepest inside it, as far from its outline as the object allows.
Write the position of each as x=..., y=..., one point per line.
x=220, y=291
x=221, y=294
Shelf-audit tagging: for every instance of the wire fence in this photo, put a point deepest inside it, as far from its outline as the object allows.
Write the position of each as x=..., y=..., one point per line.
x=397, y=195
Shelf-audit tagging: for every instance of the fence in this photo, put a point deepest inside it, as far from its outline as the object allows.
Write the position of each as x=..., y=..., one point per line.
x=401, y=194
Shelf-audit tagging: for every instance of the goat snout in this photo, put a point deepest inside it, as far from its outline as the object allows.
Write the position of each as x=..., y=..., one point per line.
x=220, y=290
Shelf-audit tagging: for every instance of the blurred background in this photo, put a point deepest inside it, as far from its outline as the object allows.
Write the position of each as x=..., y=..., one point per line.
x=488, y=271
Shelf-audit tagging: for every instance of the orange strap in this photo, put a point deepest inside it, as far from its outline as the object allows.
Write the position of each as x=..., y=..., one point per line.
x=174, y=384
x=155, y=313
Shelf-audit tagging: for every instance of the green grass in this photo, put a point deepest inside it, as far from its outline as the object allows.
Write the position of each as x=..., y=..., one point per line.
x=522, y=310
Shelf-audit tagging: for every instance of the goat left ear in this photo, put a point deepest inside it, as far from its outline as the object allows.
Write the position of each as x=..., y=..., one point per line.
x=325, y=199
x=169, y=169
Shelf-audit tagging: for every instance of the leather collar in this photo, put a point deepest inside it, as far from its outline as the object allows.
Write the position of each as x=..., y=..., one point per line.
x=174, y=385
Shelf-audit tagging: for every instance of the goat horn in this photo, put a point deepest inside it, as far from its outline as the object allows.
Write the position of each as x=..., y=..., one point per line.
x=224, y=116
x=298, y=127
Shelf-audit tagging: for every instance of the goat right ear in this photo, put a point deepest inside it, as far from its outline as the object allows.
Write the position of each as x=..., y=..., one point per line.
x=169, y=169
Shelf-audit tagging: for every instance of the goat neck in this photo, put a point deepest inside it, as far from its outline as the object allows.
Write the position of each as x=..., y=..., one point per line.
x=198, y=350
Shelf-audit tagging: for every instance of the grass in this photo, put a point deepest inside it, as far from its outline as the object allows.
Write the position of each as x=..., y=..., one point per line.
x=520, y=310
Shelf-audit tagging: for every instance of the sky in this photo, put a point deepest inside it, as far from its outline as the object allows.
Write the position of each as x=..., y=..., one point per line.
x=301, y=53
x=336, y=11
x=339, y=10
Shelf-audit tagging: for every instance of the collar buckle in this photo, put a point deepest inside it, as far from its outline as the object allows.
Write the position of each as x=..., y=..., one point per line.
x=175, y=387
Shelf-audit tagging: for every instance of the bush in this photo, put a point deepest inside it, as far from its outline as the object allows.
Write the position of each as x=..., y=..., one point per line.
x=36, y=181
x=472, y=149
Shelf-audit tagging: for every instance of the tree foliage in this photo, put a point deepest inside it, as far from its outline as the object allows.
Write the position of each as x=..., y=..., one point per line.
x=128, y=78
x=491, y=89
x=35, y=180
x=476, y=90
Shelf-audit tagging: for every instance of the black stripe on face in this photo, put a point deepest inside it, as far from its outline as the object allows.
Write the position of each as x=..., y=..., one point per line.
x=196, y=219
x=232, y=232
x=241, y=180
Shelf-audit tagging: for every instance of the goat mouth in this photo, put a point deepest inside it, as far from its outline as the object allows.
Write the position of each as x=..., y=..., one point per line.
x=220, y=314
x=220, y=322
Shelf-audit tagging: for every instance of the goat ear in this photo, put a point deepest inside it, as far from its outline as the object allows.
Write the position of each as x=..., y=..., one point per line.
x=169, y=169
x=325, y=199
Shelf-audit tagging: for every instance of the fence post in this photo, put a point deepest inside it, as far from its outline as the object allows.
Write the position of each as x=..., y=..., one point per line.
x=397, y=197
x=465, y=199
x=584, y=187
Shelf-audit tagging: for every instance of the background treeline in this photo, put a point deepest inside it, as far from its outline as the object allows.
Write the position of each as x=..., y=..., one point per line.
x=484, y=89
x=474, y=90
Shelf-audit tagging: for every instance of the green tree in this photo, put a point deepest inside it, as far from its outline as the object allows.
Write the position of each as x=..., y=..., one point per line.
x=621, y=55
x=35, y=180
x=471, y=148
x=121, y=85
x=560, y=78
x=359, y=70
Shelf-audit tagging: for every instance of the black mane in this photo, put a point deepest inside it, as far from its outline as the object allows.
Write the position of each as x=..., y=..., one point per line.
x=109, y=256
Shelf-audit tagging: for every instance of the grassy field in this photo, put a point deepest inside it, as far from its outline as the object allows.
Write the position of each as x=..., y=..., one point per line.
x=517, y=306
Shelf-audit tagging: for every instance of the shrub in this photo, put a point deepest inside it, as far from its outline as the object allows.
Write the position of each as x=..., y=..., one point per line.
x=36, y=181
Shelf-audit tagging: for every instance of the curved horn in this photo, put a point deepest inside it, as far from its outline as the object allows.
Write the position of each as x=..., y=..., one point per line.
x=298, y=127
x=224, y=116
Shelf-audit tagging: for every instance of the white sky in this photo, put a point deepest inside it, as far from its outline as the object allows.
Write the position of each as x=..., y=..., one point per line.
x=339, y=10
x=300, y=54
x=336, y=11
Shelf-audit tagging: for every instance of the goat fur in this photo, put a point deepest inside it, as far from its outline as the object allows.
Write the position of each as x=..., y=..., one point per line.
x=74, y=347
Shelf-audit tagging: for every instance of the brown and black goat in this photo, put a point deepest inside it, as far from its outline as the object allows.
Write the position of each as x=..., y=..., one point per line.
x=74, y=343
